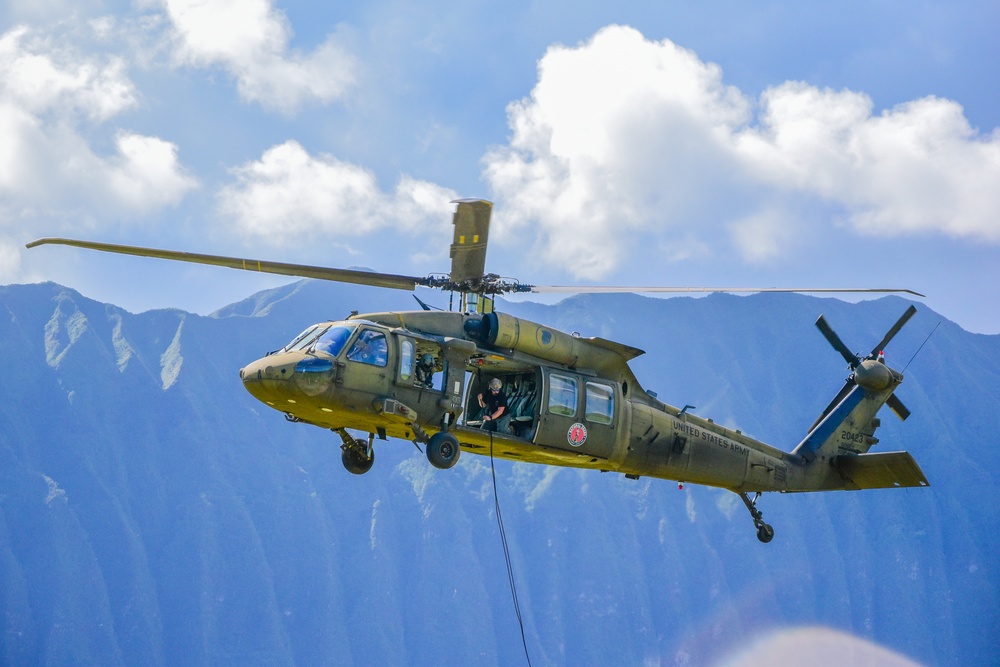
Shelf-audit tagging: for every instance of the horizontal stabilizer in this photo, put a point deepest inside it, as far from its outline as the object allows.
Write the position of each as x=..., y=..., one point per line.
x=885, y=470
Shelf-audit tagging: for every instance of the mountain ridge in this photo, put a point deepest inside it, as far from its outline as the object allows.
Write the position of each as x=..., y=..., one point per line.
x=181, y=522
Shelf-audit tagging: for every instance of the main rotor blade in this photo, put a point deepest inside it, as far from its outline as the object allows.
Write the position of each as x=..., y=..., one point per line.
x=472, y=229
x=611, y=289
x=299, y=270
x=897, y=406
x=894, y=330
x=834, y=340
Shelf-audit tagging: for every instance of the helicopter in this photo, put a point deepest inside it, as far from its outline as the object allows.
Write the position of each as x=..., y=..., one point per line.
x=428, y=376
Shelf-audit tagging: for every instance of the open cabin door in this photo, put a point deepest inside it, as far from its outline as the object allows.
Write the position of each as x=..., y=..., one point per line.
x=520, y=384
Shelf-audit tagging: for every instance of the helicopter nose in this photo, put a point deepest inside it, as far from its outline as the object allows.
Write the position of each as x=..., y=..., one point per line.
x=286, y=378
x=267, y=369
x=268, y=379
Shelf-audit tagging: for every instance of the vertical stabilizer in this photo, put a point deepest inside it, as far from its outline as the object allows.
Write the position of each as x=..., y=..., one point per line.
x=847, y=425
x=846, y=428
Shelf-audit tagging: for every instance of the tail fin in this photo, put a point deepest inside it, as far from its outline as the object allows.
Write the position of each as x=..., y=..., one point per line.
x=845, y=428
x=845, y=431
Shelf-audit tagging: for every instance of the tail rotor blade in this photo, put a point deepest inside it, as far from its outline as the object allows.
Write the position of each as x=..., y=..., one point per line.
x=894, y=330
x=897, y=406
x=834, y=340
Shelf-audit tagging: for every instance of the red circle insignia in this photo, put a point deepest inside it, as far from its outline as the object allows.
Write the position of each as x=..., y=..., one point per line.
x=577, y=434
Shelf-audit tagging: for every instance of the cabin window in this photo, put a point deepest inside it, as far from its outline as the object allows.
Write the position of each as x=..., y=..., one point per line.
x=406, y=350
x=562, y=395
x=369, y=348
x=333, y=339
x=600, y=403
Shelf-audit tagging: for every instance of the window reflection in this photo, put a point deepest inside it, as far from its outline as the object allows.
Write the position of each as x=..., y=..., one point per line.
x=600, y=403
x=405, y=359
x=369, y=348
x=306, y=338
x=562, y=395
x=333, y=339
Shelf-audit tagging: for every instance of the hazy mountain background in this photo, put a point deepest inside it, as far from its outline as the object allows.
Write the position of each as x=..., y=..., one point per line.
x=152, y=512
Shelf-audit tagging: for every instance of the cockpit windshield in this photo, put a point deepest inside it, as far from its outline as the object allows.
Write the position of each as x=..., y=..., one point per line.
x=306, y=338
x=332, y=340
x=328, y=338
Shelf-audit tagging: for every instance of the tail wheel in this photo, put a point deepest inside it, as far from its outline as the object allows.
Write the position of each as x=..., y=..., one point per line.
x=443, y=450
x=356, y=458
x=764, y=531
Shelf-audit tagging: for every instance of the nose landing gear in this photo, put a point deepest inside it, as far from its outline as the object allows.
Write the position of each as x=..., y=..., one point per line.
x=765, y=533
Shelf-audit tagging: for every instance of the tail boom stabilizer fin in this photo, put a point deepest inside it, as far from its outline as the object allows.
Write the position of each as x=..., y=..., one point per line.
x=885, y=470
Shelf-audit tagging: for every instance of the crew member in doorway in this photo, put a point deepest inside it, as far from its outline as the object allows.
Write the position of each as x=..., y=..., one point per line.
x=495, y=403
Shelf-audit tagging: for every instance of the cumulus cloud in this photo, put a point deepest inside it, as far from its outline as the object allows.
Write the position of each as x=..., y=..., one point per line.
x=249, y=39
x=614, y=138
x=626, y=141
x=289, y=195
x=37, y=75
x=918, y=167
x=48, y=91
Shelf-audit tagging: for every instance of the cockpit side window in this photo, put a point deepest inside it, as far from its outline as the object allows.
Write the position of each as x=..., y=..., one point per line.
x=429, y=366
x=333, y=339
x=369, y=348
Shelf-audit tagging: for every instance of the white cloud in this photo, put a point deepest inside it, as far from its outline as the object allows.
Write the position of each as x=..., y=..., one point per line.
x=249, y=38
x=916, y=168
x=618, y=135
x=146, y=174
x=626, y=142
x=51, y=96
x=289, y=195
x=38, y=75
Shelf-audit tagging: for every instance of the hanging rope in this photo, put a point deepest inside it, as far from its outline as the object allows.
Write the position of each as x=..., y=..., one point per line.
x=506, y=554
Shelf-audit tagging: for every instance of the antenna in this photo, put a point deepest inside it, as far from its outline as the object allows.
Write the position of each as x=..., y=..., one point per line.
x=921, y=346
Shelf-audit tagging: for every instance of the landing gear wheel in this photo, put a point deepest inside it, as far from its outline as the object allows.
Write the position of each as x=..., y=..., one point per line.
x=443, y=450
x=764, y=532
x=356, y=458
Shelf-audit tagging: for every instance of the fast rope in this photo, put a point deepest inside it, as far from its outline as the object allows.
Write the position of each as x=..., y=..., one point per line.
x=506, y=554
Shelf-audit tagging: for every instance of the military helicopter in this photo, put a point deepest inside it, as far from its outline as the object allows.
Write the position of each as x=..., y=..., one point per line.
x=569, y=401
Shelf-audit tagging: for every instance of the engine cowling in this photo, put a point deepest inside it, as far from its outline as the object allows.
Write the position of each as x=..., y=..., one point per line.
x=504, y=331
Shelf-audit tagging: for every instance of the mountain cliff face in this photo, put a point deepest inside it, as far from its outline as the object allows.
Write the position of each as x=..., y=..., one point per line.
x=152, y=512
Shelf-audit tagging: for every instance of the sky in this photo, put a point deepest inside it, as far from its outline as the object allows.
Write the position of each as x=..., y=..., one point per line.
x=713, y=144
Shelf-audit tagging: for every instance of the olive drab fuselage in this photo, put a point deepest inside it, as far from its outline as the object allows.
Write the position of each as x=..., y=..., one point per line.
x=572, y=401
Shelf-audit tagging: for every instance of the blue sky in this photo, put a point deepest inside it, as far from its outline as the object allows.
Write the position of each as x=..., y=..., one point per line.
x=710, y=144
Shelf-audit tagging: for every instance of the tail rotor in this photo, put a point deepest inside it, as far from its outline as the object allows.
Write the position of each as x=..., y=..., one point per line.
x=856, y=360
